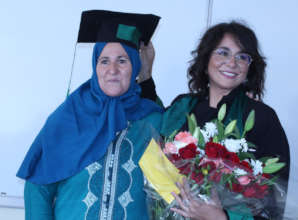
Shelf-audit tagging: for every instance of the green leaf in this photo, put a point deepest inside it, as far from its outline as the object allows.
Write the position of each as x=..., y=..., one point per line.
x=230, y=127
x=220, y=129
x=230, y=183
x=222, y=112
x=196, y=133
x=233, y=135
x=192, y=123
x=264, y=159
x=215, y=139
x=273, y=167
x=270, y=181
x=271, y=160
x=171, y=137
x=193, y=118
x=249, y=123
x=237, y=133
x=226, y=178
x=201, y=140
x=250, y=144
x=245, y=155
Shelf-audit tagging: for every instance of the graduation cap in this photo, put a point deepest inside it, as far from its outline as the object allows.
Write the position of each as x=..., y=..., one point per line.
x=109, y=26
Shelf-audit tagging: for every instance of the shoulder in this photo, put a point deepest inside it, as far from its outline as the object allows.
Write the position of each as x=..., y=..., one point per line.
x=175, y=115
x=152, y=120
x=266, y=119
x=185, y=98
x=182, y=104
x=152, y=117
x=263, y=111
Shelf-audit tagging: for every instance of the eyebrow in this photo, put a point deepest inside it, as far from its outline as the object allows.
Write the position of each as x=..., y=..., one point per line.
x=226, y=48
x=106, y=57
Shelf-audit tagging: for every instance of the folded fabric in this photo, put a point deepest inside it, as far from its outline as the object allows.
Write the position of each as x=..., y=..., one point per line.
x=160, y=172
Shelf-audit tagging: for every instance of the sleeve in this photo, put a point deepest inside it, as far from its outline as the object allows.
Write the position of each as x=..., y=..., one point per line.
x=39, y=201
x=271, y=140
x=148, y=89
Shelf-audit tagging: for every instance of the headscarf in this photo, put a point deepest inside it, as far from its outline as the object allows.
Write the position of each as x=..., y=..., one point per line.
x=80, y=130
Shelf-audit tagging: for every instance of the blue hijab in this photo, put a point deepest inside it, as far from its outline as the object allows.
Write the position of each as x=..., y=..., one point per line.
x=80, y=130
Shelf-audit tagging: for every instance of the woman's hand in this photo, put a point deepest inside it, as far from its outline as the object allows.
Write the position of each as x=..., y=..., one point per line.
x=194, y=208
x=147, y=55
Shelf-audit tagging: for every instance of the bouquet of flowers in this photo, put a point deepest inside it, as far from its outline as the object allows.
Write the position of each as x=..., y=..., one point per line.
x=218, y=157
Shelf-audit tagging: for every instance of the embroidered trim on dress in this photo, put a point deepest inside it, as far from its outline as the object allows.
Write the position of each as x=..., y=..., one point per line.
x=109, y=185
x=129, y=166
x=90, y=198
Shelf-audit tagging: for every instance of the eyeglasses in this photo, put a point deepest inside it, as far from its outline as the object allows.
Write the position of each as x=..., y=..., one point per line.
x=224, y=55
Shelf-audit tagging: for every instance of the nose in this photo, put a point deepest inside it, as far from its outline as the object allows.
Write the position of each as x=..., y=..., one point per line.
x=231, y=62
x=113, y=68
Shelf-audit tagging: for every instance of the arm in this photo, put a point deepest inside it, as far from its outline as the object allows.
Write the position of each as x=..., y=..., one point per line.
x=39, y=201
x=271, y=140
x=147, y=55
x=145, y=79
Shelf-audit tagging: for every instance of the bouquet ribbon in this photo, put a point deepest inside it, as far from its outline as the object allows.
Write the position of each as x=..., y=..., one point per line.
x=159, y=171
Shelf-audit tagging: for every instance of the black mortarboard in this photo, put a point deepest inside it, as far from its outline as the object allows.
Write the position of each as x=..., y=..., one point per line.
x=109, y=26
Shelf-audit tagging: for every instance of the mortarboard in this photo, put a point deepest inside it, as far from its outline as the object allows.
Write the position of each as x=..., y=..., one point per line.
x=109, y=26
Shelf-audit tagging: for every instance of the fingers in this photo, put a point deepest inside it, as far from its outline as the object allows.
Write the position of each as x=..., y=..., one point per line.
x=147, y=48
x=215, y=198
x=191, y=206
x=186, y=187
x=184, y=199
x=183, y=204
x=179, y=201
x=181, y=212
x=185, y=190
x=150, y=46
x=147, y=58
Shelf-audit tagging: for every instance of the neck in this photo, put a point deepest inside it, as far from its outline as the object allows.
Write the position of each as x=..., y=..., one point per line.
x=215, y=95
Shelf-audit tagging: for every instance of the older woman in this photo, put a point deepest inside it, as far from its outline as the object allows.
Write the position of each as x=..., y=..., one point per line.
x=226, y=65
x=83, y=164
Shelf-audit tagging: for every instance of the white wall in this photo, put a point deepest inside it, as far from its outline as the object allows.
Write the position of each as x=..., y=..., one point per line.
x=37, y=49
x=11, y=214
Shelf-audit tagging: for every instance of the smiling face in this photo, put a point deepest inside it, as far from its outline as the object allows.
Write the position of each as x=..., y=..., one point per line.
x=113, y=70
x=225, y=75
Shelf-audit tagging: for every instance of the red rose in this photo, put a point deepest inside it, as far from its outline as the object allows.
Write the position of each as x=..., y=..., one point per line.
x=208, y=165
x=198, y=177
x=185, y=169
x=246, y=166
x=215, y=150
x=215, y=176
x=262, y=191
x=174, y=157
x=250, y=191
x=188, y=152
x=255, y=190
x=231, y=156
x=237, y=188
x=266, y=175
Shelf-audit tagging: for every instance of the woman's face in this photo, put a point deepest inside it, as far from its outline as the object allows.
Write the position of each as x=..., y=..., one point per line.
x=113, y=70
x=224, y=70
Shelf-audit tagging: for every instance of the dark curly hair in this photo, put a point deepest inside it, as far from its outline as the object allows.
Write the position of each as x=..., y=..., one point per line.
x=246, y=39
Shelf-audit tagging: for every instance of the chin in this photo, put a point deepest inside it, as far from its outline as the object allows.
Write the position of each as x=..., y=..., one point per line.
x=114, y=93
x=230, y=87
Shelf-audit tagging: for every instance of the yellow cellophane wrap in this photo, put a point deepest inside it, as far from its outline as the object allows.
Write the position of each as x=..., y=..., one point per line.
x=160, y=172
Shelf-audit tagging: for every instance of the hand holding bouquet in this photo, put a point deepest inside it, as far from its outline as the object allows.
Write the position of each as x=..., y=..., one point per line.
x=217, y=159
